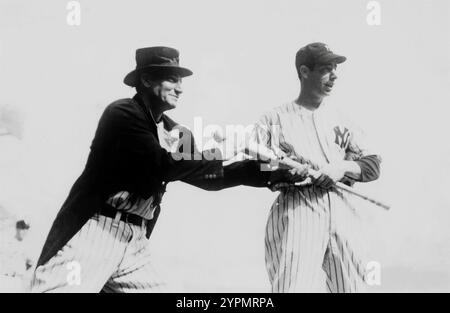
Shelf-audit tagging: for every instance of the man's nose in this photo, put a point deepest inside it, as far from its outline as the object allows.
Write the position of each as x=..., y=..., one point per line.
x=333, y=75
x=178, y=88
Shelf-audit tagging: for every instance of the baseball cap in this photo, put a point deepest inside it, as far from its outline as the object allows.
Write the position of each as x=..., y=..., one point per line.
x=316, y=53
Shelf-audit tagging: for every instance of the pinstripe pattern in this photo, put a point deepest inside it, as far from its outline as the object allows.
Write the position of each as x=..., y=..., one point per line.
x=312, y=235
x=113, y=256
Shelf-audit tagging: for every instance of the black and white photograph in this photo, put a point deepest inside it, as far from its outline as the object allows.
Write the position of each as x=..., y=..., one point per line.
x=249, y=147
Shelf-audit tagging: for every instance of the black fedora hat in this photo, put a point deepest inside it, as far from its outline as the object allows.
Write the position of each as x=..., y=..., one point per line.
x=157, y=59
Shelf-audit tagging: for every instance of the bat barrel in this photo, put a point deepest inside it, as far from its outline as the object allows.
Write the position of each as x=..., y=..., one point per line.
x=342, y=186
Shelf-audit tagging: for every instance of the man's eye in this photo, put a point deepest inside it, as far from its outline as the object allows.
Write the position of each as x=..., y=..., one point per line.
x=173, y=79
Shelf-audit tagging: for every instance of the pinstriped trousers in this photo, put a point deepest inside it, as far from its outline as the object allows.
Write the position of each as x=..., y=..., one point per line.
x=311, y=238
x=106, y=255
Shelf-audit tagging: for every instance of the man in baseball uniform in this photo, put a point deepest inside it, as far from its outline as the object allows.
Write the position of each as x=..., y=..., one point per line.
x=99, y=240
x=312, y=239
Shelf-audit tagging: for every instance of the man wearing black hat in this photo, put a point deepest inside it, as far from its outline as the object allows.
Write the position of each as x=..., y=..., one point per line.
x=99, y=238
x=312, y=235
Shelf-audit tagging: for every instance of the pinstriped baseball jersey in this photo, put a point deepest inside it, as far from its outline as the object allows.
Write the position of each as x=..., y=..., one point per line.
x=312, y=235
x=321, y=136
x=131, y=203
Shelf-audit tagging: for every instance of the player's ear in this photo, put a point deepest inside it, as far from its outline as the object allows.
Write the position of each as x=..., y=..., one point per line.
x=146, y=80
x=303, y=72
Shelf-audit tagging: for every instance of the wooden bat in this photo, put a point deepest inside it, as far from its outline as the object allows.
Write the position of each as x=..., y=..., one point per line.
x=259, y=151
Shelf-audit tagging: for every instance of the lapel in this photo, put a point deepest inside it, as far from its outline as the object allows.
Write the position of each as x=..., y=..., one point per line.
x=169, y=124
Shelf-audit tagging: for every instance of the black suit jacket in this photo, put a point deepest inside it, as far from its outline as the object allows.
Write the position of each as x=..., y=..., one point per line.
x=126, y=155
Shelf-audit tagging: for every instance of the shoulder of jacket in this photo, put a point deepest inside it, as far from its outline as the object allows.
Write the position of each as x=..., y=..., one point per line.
x=126, y=103
x=123, y=108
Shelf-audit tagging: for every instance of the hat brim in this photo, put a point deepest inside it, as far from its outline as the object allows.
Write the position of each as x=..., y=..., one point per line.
x=332, y=58
x=132, y=78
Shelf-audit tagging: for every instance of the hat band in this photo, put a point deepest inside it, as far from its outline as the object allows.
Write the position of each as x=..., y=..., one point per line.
x=169, y=64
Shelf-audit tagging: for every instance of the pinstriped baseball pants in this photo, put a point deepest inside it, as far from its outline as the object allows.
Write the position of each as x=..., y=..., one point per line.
x=105, y=255
x=312, y=242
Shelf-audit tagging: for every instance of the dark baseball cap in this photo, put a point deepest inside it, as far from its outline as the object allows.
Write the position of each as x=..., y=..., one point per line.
x=316, y=53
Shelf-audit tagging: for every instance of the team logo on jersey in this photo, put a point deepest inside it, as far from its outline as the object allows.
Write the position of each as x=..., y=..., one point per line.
x=341, y=136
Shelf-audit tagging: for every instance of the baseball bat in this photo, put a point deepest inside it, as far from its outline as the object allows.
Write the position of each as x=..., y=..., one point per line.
x=267, y=154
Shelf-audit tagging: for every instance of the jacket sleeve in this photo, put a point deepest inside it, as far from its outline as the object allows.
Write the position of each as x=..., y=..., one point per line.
x=247, y=172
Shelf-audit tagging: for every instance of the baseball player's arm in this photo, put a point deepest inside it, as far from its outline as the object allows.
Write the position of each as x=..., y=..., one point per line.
x=332, y=173
x=360, y=164
x=359, y=151
x=365, y=169
x=369, y=168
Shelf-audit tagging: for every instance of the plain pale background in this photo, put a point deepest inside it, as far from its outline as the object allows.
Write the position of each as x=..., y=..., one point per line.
x=394, y=84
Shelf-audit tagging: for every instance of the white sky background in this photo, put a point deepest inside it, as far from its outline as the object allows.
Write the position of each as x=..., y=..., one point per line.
x=394, y=84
